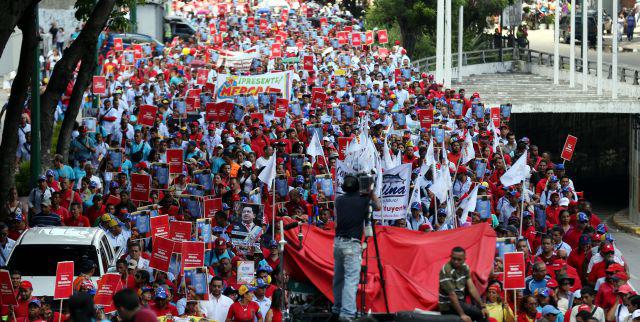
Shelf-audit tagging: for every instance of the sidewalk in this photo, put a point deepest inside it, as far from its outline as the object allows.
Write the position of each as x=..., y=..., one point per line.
x=621, y=221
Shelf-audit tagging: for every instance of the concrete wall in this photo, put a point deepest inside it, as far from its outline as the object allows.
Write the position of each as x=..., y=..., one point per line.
x=11, y=55
x=488, y=68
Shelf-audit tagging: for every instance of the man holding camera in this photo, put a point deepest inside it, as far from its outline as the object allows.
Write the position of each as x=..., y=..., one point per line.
x=352, y=212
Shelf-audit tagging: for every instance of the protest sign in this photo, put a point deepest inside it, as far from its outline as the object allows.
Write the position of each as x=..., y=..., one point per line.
x=195, y=281
x=276, y=50
x=140, y=187
x=343, y=37
x=161, y=254
x=175, y=160
x=395, y=193
x=246, y=271
x=99, y=85
x=263, y=24
x=307, y=63
x=229, y=86
x=368, y=37
x=147, y=115
x=425, y=116
x=108, y=285
x=514, y=271
x=211, y=112
x=159, y=226
x=117, y=44
x=382, y=36
x=282, y=105
x=7, y=294
x=192, y=254
x=211, y=206
x=251, y=22
x=180, y=230
x=494, y=114
x=202, y=76
x=356, y=38
x=64, y=281
x=317, y=100
x=569, y=147
x=342, y=146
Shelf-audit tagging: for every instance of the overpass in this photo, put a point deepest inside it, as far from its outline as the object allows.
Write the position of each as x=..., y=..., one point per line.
x=524, y=78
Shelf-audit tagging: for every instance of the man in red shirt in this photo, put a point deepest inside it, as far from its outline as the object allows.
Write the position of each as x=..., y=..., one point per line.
x=76, y=219
x=56, y=208
x=161, y=305
x=24, y=298
x=572, y=237
x=600, y=269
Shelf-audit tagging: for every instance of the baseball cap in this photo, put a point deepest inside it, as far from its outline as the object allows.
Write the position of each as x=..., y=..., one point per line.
x=550, y=309
x=26, y=285
x=113, y=185
x=584, y=240
x=218, y=230
x=36, y=302
x=635, y=314
x=625, y=289
x=607, y=248
x=582, y=217
x=584, y=307
x=563, y=202
x=161, y=293
x=601, y=229
x=260, y=283
x=245, y=289
x=42, y=178
x=614, y=268
x=133, y=264
x=577, y=294
x=552, y=283
x=46, y=202
x=50, y=173
x=220, y=243
x=559, y=166
x=415, y=205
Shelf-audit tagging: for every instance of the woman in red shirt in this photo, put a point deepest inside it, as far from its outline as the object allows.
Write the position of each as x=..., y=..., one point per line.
x=275, y=314
x=245, y=309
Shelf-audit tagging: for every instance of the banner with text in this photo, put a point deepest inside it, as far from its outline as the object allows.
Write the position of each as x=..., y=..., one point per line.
x=228, y=86
x=395, y=193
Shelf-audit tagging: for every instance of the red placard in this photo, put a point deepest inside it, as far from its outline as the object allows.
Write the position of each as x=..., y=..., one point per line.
x=147, y=115
x=7, y=295
x=161, y=254
x=159, y=226
x=383, y=52
x=425, y=116
x=212, y=28
x=211, y=112
x=117, y=44
x=494, y=114
x=180, y=230
x=356, y=38
x=113, y=200
x=368, y=37
x=514, y=271
x=342, y=146
x=209, y=87
x=323, y=21
x=285, y=15
x=263, y=24
x=99, y=85
x=140, y=187
x=137, y=51
x=175, y=160
x=108, y=285
x=64, y=281
x=342, y=37
x=382, y=36
x=569, y=147
x=192, y=254
x=318, y=99
x=258, y=116
x=282, y=105
x=211, y=206
x=307, y=62
x=223, y=26
x=217, y=38
x=276, y=50
x=202, y=76
x=251, y=22
x=397, y=75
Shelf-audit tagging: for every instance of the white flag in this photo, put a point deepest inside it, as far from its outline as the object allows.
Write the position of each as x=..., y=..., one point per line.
x=468, y=204
x=315, y=147
x=430, y=156
x=495, y=134
x=440, y=184
x=468, y=153
x=268, y=174
x=518, y=172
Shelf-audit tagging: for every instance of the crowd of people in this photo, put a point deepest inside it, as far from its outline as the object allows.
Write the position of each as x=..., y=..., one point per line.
x=358, y=86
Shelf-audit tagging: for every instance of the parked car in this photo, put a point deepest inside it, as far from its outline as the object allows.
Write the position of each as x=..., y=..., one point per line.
x=178, y=27
x=38, y=251
x=133, y=38
x=565, y=28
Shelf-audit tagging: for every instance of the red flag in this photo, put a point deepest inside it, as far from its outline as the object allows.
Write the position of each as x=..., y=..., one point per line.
x=64, y=281
x=282, y=105
x=161, y=254
x=159, y=226
x=202, y=76
x=569, y=147
x=382, y=36
x=99, y=85
x=276, y=50
x=192, y=254
x=211, y=206
x=7, y=295
x=140, y=187
x=307, y=63
x=368, y=37
x=356, y=38
x=108, y=285
x=342, y=146
x=180, y=230
x=175, y=160
x=147, y=115
x=117, y=44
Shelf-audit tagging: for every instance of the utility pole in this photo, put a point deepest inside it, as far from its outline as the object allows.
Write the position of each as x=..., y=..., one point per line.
x=36, y=162
x=572, y=49
x=599, y=42
x=585, y=48
x=556, y=45
x=614, y=51
x=447, y=45
x=96, y=72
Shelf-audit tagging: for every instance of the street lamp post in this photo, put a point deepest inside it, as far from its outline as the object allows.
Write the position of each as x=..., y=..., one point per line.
x=585, y=49
x=572, y=49
x=614, y=51
x=556, y=45
x=599, y=42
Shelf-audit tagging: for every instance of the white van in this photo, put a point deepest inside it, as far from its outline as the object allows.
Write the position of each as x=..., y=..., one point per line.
x=38, y=251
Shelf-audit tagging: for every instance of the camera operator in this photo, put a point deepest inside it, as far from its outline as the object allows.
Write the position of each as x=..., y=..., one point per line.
x=352, y=212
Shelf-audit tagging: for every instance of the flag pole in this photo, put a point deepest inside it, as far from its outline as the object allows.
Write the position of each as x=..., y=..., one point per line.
x=522, y=206
x=273, y=210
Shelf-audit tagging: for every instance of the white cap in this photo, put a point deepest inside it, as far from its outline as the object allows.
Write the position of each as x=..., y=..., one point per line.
x=635, y=314
x=564, y=201
x=231, y=140
x=326, y=138
x=247, y=164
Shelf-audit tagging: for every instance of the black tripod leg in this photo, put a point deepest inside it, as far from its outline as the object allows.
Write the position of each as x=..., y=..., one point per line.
x=382, y=282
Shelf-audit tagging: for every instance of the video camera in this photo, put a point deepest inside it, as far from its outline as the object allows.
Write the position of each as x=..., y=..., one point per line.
x=366, y=182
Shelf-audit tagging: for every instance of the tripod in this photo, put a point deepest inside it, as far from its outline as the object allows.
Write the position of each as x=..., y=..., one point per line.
x=363, y=270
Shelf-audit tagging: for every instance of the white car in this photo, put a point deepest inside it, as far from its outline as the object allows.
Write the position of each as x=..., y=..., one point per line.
x=38, y=251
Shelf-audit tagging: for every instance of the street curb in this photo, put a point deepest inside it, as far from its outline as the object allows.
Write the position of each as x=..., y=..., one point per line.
x=621, y=221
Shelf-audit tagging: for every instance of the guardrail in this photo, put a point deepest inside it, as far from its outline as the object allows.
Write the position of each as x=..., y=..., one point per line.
x=626, y=74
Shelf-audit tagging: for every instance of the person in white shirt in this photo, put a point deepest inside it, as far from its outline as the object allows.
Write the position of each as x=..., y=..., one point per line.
x=262, y=161
x=217, y=307
x=6, y=244
x=259, y=296
x=116, y=238
x=587, y=294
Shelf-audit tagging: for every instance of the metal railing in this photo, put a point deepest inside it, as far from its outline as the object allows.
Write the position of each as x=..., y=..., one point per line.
x=626, y=74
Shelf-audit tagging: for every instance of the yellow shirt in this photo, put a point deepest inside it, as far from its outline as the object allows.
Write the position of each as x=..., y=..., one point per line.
x=500, y=313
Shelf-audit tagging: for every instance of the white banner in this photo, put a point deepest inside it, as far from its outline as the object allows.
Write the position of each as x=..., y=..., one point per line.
x=239, y=60
x=395, y=193
x=228, y=86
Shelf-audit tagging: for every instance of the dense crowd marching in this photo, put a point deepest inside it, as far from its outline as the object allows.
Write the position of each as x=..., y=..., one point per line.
x=355, y=84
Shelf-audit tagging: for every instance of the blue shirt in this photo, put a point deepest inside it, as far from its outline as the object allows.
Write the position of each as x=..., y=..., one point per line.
x=64, y=172
x=42, y=220
x=531, y=285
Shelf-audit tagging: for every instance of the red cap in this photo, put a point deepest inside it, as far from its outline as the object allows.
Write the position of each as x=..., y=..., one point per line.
x=607, y=248
x=552, y=283
x=211, y=126
x=614, y=268
x=220, y=243
x=622, y=275
x=558, y=263
x=26, y=285
x=424, y=227
x=584, y=307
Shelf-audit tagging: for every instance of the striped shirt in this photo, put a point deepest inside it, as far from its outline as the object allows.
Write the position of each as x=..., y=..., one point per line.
x=452, y=279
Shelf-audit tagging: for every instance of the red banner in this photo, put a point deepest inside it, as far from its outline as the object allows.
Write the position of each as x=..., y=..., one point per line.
x=99, y=85
x=569, y=147
x=147, y=115
x=318, y=100
x=282, y=105
x=308, y=63
x=159, y=226
x=161, y=254
x=202, y=76
x=140, y=187
x=425, y=116
x=342, y=146
x=342, y=37
x=382, y=36
x=276, y=50
x=251, y=22
x=7, y=295
x=192, y=254
x=211, y=206
x=494, y=114
x=180, y=230
x=64, y=281
x=108, y=285
x=368, y=37
x=514, y=271
x=356, y=38
x=175, y=160
x=117, y=44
